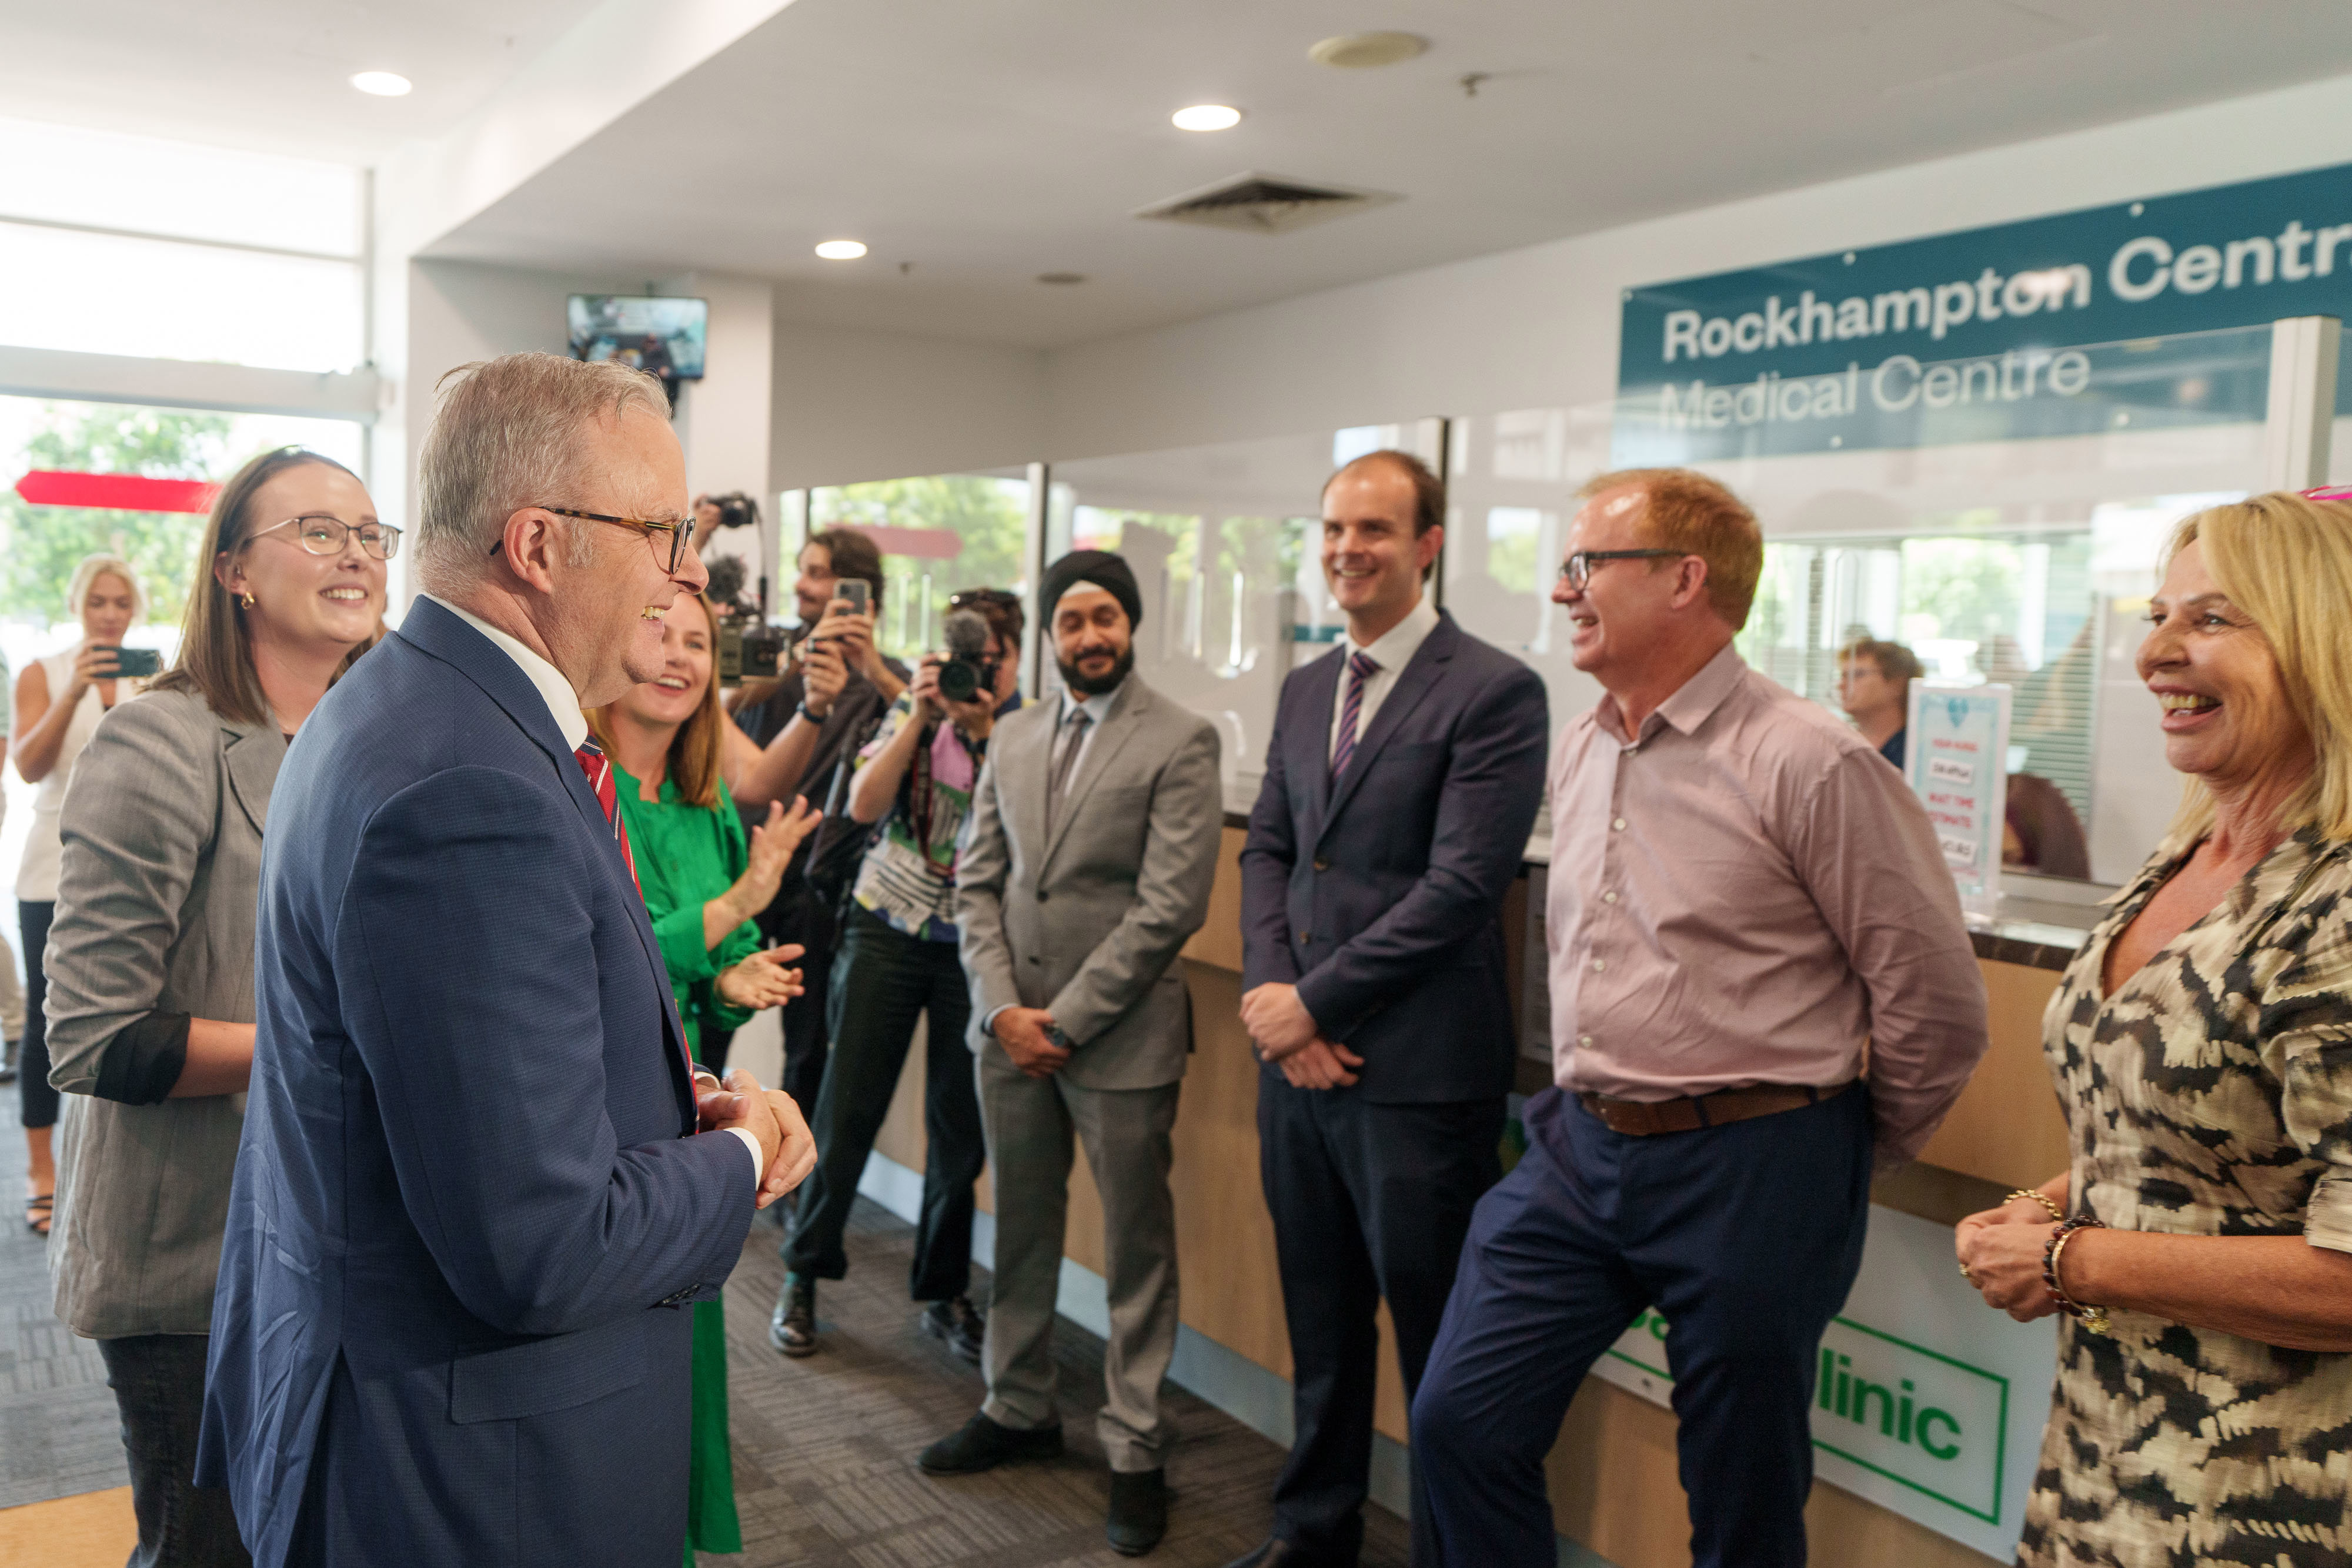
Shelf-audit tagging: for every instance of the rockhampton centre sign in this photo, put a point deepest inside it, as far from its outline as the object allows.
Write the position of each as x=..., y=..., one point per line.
x=2151, y=313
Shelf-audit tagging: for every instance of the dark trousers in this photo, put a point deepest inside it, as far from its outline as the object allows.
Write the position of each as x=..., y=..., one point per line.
x=796, y=916
x=1370, y=1201
x=804, y=1023
x=159, y=1387
x=883, y=981
x=1746, y=1238
x=39, y=1101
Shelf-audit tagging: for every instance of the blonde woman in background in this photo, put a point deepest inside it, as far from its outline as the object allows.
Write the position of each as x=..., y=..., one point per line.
x=2200, y=1242
x=59, y=701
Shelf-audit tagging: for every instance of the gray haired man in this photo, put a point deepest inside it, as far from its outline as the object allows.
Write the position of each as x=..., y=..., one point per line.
x=1086, y=865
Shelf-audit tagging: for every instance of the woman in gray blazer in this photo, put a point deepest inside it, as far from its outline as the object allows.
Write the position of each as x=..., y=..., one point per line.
x=149, y=958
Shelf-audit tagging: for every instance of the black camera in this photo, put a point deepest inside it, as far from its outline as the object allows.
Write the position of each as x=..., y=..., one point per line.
x=748, y=651
x=969, y=670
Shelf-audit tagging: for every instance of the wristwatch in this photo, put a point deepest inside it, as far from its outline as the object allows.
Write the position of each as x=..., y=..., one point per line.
x=1061, y=1042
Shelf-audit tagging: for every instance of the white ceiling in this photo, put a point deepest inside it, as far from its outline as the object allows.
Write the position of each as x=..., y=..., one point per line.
x=975, y=143
x=986, y=143
x=271, y=76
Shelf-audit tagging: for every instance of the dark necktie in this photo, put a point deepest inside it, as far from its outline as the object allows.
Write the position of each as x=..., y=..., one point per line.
x=1359, y=669
x=1065, y=766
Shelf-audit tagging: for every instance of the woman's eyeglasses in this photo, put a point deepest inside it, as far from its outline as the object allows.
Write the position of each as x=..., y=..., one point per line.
x=321, y=534
x=679, y=532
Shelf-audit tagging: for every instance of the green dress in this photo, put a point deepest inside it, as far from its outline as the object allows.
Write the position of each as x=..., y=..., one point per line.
x=685, y=856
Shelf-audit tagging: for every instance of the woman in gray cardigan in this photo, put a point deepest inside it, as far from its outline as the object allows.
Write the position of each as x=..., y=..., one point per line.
x=149, y=959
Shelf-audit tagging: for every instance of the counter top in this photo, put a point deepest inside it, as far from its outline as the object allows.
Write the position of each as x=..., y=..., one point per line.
x=2040, y=930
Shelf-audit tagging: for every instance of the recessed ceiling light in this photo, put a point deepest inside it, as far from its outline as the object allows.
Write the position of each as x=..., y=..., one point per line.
x=1061, y=277
x=383, y=84
x=841, y=249
x=1359, y=51
x=1207, y=117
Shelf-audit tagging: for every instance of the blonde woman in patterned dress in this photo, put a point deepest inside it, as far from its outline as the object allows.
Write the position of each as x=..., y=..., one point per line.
x=2202, y=1041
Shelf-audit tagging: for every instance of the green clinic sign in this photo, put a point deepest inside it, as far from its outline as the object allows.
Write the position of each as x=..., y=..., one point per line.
x=2144, y=314
x=1924, y=1401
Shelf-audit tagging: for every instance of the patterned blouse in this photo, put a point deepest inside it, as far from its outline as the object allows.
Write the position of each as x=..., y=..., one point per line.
x=2210, y=1096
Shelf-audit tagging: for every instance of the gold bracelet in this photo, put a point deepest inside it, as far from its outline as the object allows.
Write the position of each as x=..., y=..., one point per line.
x=2057, y=1215
x=2093, y=1318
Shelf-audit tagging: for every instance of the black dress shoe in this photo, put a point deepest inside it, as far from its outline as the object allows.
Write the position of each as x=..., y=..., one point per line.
x=983, y=1445
x=958, y=1325
x=793, y=1328
x=1139, y=1510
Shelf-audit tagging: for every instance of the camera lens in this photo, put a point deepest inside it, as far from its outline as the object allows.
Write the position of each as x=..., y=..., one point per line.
x=959, y=680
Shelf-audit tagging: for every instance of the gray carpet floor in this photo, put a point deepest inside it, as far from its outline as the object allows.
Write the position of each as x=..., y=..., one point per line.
x=825, y=1447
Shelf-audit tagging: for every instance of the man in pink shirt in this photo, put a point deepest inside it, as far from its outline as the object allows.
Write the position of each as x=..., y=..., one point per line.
x=1742, y=898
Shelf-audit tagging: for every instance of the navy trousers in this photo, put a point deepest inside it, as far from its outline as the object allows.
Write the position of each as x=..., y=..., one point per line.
x=1745, y=1237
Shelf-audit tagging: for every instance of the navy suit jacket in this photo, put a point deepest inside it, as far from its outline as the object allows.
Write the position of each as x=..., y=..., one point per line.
x=465, y=1216
x=1381, y=897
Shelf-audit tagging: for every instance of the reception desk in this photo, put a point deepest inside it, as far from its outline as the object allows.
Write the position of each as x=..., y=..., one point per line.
x=1613, y=1475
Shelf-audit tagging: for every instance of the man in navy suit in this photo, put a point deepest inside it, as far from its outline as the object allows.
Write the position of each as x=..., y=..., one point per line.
x=1401, y=781
x=471, y=1203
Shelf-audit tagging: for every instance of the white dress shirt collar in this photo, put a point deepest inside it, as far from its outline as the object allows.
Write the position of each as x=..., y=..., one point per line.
x=1393, y=649
x=563, y=702
x=1097, y=706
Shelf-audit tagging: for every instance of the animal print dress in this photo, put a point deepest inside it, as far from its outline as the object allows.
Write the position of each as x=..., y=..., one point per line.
x=2210, y=1096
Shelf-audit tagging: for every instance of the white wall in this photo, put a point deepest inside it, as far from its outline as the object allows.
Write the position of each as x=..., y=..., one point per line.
x=450, y=313
x=1538, y=327
x=851, y=405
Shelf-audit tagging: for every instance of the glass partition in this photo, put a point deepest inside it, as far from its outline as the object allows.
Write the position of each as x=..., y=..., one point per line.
x=1224, y=543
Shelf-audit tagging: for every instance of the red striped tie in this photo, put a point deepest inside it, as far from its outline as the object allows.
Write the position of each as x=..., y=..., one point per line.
x=1359, y=669
x=599, y=768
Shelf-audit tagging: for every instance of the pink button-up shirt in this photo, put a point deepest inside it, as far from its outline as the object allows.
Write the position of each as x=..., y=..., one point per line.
x=1748, y=893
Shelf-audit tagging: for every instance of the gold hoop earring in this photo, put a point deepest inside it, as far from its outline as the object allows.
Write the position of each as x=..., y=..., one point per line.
x=246, y=601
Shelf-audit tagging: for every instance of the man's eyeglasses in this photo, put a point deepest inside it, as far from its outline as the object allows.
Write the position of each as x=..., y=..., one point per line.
x=679, y=532
x=323, y=535
x=1577, y=569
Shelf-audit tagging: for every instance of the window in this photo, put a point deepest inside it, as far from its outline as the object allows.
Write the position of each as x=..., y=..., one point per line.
x=940, y=535
x=130, y=246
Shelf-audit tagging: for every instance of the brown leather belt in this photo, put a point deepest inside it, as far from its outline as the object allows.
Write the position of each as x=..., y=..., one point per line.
x=1646, y=1118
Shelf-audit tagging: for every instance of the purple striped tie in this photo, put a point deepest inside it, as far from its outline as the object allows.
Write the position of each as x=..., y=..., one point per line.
x=1359, y=669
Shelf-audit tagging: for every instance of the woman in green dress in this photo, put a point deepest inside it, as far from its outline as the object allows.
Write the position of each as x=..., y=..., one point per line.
x=703, y=879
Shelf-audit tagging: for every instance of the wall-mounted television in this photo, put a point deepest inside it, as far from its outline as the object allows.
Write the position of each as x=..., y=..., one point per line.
x=663, y=335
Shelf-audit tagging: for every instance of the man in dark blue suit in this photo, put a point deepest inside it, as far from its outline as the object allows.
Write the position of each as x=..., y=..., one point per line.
x=1401, y=781
x=472, y=1202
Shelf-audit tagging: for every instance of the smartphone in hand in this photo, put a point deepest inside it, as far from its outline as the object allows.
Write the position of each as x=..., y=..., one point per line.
x=858, y=591
x=141, y=663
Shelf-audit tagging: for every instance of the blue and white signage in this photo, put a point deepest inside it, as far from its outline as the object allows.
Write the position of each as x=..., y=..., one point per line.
x=1956, y=757
x=2146, y=313
x=1926, y=1401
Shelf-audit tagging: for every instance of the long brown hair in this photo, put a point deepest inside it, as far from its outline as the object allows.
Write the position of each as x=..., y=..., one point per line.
x=215, y=659
x=694, y=751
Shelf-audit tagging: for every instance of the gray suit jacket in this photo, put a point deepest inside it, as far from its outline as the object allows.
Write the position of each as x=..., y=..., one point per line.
x=1088, y=925
x=155, y=914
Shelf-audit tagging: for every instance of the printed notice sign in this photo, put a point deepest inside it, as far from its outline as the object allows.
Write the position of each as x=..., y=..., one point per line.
x=1955, y=757
x=1925, y=1400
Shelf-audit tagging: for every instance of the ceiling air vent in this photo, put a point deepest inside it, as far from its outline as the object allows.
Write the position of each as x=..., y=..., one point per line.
x=1264, y=204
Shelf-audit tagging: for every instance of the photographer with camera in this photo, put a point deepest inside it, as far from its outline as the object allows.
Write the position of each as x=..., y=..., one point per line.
x=796, y=736
x=899, y=961
x=727, y=529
